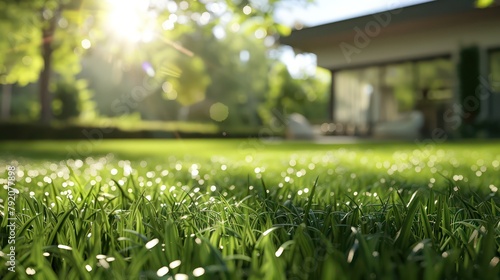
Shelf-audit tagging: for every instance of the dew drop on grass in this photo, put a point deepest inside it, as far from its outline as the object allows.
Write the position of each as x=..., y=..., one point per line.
x=175, y=264
x=30, y=271
x=350, y=256
x=181, y=276
x=152, y=243
x=197, y=272
x=78, y=163
x=104, y=263
x=279, y=252
x=418, y=247
x=162, y=271
x=494, y=261
x=64, y=247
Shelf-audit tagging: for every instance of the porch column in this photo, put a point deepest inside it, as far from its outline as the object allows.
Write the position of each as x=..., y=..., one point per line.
x=331, y=104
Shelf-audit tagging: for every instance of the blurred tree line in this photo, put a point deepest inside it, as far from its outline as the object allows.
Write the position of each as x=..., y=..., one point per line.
x=203, y=60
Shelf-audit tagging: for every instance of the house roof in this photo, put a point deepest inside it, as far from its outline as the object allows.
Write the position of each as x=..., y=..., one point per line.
x=402, y=20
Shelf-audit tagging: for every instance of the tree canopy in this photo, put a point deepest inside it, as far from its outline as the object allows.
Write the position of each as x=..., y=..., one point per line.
x=192, y=53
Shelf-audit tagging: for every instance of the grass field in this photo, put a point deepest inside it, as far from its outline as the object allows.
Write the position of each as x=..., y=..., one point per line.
x=192, y=209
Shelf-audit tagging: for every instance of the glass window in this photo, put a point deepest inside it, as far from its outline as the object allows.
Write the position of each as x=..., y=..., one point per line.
x=495, y=71
x=353, y=90
x=388, y=92
x=436, y=77
x=399, y=80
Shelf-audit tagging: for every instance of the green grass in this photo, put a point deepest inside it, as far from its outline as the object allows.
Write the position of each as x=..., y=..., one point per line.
x=253, y=210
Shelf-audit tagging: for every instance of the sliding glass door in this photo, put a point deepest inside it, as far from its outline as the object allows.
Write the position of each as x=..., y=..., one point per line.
x=368, y=96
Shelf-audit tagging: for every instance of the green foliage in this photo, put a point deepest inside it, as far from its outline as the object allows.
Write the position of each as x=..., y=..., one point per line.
x=484, y=3
x=20, y=61
x=65, y=101
x=200, y=68
x=73, y=99
x=307, y=96
x=192, y=82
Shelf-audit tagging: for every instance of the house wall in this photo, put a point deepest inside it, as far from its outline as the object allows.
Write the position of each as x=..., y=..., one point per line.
x=389, y=46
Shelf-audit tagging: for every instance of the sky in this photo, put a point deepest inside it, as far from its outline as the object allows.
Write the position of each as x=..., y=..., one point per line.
x=326, y=11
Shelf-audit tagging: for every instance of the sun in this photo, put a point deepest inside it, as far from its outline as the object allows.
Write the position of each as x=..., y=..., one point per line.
x=130, y=20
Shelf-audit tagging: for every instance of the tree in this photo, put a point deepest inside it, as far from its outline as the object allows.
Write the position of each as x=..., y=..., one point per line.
x=198, y=62
x=19, y=61
x=60, y=30
x=484, y=3
x=52, y=31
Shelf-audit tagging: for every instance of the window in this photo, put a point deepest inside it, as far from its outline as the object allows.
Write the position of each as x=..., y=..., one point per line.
x=399, y=81
x=435, y=76
x=353, y=89
x=494, y=78
x=388, y=92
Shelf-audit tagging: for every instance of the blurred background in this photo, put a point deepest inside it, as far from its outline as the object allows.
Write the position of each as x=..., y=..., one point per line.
x=92, y=69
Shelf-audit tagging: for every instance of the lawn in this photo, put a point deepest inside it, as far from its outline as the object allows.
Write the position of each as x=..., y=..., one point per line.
x=250, y=209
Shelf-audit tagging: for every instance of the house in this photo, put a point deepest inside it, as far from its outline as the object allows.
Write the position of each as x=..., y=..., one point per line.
x=428, y=70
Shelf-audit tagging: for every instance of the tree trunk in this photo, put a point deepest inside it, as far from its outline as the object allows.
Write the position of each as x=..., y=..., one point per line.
x=45, y=75
x=45, y=98
x=6, y=97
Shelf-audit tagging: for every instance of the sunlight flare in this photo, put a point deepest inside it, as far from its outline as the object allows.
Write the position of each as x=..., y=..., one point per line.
x=131, y=20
